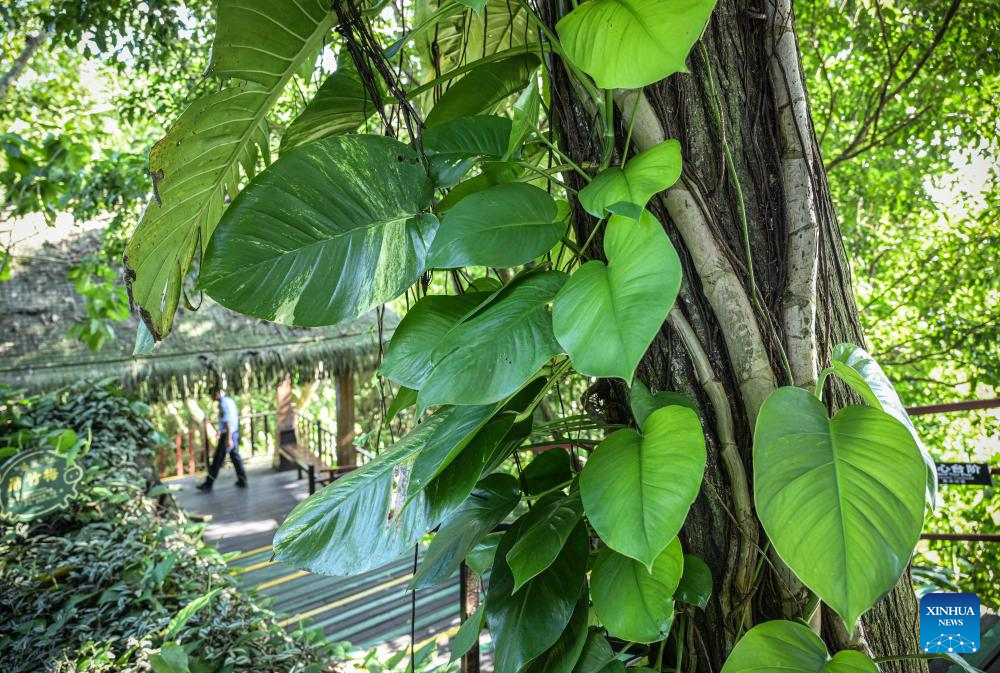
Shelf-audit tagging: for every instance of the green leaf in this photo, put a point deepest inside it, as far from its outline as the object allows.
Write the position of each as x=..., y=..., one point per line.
x=171, y=658
x=861, y=372
x=483, y=88
x=544, y=531
x=627, y=44
x=198, y=163
x=525, y=624
x=144, y=341
x=562, y=657
x=598, y=657
x=448, y=489
x=476, y=5
x=346, y=527
x=493, y=499
x=404, y=399
x=841, y=499
x=341, y=105
x=607, y=315
x=502, y=226
x=408, y=358
x=791, y=647
x=695, y=587
x=525, y=118
x=480, y=559
x=547, y=470
x=492, y=353
x=644, y=403
x=350, y=203
x=626, y=190
x=634, y=603
x=637, y=489
x=468, y=633
x=455, y=146
x=184, y=615
x=464, y=424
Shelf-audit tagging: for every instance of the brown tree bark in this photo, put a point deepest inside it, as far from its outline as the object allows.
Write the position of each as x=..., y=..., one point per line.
x=31, y=45
x=745, y=95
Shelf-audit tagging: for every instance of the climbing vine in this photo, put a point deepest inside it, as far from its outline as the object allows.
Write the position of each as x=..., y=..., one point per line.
x=343, y=222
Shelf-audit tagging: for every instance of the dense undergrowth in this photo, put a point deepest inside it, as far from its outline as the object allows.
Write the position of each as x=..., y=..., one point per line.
x=119, y=581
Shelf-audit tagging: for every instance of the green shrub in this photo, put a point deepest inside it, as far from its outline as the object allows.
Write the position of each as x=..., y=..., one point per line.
x=119, y=581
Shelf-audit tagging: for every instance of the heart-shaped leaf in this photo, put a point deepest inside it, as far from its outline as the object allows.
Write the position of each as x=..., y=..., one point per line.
x=492, y=353
x=346, y=203
x=525, y=624
x=544, y=531
x=607, y=315
x=627, y=44
x=626, y=190
x=787, y=646
x=644, y=403
x=502, y=226
x=695, y=587
x=455, y=146
x=525, y=112
x=468, y=633
x=482, y=89
x=634, y=603
x=464, y=424
x=547, y=471
x=495, y=496
x=861, y=372
x=408, y=358
x=637, y=489
x=841, y=499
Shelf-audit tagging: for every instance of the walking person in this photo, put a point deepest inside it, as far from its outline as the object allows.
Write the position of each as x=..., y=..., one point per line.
x=229, y=440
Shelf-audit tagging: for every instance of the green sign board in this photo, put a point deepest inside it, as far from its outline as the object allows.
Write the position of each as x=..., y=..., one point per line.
x=33, y=483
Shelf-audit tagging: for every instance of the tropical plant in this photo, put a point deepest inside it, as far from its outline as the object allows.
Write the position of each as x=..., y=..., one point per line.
x=526, y=157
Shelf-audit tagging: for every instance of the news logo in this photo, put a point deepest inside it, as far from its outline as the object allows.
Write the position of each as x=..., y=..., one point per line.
x=949, y=623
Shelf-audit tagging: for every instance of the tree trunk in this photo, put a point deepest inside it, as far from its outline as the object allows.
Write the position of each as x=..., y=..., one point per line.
x=31, y=45
x=732, y=337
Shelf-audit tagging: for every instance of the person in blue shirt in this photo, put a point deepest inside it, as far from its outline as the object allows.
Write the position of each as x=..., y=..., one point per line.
x=229, y=440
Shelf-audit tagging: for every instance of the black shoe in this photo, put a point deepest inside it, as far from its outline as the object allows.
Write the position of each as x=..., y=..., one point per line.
x=205, y=487
x=241, y=483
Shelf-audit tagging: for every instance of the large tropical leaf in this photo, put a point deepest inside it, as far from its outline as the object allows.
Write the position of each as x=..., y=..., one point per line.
x=861, y=372
x=501, y=226
x=637, y=489
x=526, y=623
x=492, y=353
x=787, y=646
x=455, y=146
x=326, y=233
x=346, y=528
x=695, y=587
x=627, y=44
x=483, y=88
x=841, y=499
x=493, y=499
x=597, y=656
x=607, y=314
x=626, y=190
x=342, y=105
x=408, y=359
x=562, y=657
x=634, y=603
x=544, y=532
x=198, y=163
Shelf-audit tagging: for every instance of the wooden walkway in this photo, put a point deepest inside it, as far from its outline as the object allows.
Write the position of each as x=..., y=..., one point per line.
x=368, y=610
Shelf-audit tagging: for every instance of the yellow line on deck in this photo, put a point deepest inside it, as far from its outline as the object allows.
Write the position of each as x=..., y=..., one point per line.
x=282, y=580
x=444, y=634
x=249, y=553
x=344, y=601
x=257, y=566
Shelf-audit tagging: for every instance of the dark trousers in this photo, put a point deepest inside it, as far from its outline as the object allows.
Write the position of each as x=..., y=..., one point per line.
x=220, y=458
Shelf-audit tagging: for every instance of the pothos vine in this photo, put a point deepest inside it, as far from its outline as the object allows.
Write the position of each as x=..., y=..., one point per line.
x=347, y=222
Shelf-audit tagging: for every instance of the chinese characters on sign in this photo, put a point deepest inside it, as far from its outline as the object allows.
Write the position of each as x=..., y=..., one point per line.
x=33, y=483
x=964, y=473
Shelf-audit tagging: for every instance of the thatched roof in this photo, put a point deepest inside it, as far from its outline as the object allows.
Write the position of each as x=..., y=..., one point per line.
x=38, y=305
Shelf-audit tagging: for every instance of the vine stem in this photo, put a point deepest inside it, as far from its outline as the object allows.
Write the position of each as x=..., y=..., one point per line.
x=681, y=619
x=562, y=155
x=731, y=459
x=734, y=179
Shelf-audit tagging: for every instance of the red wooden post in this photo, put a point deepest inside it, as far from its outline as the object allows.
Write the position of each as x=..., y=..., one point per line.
x=180, y=455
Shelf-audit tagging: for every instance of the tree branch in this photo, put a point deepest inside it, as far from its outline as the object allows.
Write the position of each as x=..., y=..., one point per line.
x=31, y=45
